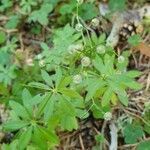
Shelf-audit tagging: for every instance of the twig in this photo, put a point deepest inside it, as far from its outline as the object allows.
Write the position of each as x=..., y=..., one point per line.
x=148, y=82
x=3, y=18
x=21, y=41
x=8, y=30
x=81, y=142
x=133, y=110
x=136, y=63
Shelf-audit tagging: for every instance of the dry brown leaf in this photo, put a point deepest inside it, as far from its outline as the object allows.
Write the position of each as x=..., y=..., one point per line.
x=143, y=48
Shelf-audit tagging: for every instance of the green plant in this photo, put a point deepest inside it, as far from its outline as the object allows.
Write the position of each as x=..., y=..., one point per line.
x=73, y=74
x=132, y=133
x=26, y=5
x=27, y=118
x=45, y=9
x=5, y=4
x=134, y=40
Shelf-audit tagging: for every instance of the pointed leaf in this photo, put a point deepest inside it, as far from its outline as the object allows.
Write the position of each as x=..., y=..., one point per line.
x=15, y=125
x=26, y=98
x=46, y=78
x=19, y=110
x=39, y=85
x=93, y=86
x=133, y=73
x=69, y=123
x=99, y=65
x=25, y=138
x=123, y=97
x=107, y=97
x=49, y=108
x=70, y=93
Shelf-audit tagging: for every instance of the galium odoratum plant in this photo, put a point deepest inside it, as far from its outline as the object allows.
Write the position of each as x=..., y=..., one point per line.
x=80, y=74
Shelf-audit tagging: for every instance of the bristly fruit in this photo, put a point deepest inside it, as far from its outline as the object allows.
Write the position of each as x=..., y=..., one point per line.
x=79, y=27
x=77, y=79
x=85, y=61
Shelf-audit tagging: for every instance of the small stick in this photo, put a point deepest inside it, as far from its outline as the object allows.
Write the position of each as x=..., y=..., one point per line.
x=81, y=142
x=148, y=83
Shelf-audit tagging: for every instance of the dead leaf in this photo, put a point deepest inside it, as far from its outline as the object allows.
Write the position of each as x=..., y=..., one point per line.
x=143, y=48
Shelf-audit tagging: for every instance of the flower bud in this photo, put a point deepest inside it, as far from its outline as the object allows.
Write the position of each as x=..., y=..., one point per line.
x=77, y=79
x=121, y=59
x=108, y=116
x=79, y=27
x=95, y=22
x=85, y=61
x=42, y=63
x=100, y=49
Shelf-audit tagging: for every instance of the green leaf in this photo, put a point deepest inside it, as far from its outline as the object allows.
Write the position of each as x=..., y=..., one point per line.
x=43, y=17
x=132, y=133
x=88, y=11
x=26, y=97
x=99, y=138
x=133, y=74
x=25, y=138
x=133, y=85
x=122, y=95
x=49, y=108
x=44, y=46
x=144, y=145
x=46, y=78
x=43, y=104
x=15, y=125
x=69, y=123
x=66, y=108
x=12, y=146
x=134, y=40
x=38, y=140
x=98, y=111
x=13, y=22
x=99, y=65
x=66, y=9
x=58, y=76
x=93, y=86
x=65, y=82
x=48, y=135
x=36, y=100
x=2, y=37
x=102, y=38
x=70, y=93
x=109, y=64
x=64, y=37
x=107, y=97
x=39, y=85
x=4, y=57
x=19, y=110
